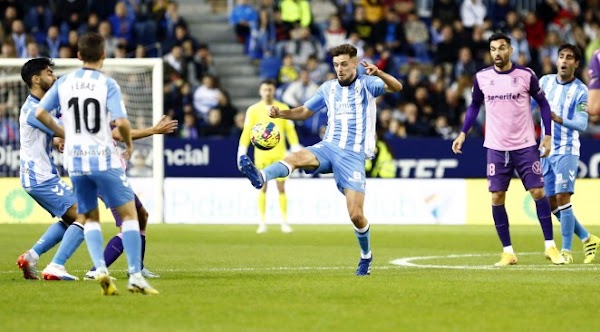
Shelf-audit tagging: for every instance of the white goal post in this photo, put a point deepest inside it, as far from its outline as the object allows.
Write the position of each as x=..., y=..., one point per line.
x=141, y=82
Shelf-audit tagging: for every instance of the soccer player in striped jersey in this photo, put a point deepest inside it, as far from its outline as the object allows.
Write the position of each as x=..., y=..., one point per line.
x=40, y=179
x=594, y=84
x=510, y=140
x=90, y=101
x=258, y=113
x=348, y=141
x=568, y=98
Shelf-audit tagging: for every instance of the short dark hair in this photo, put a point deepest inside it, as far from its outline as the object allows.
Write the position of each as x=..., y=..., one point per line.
x=498, y=36
x=576, y=51
x=344, y=49
x=91, y=47
x=269, y=81
x=34, y=67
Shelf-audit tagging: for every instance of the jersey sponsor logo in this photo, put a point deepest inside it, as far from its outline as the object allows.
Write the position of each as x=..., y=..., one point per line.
x=536, y=167
x=506, y=96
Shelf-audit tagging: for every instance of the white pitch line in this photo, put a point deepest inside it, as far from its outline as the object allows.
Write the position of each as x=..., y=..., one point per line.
x=408, y=262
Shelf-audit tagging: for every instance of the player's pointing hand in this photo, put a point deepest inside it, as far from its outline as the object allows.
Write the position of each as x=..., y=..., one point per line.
x=370, y=68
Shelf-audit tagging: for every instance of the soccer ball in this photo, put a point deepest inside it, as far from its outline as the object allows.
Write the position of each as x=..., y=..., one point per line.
x=265, y=136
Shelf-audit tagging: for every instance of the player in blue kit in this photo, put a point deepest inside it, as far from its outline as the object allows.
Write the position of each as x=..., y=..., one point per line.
x=348, y=141
x=568, y=97
x=40, y=179
x=90, y=101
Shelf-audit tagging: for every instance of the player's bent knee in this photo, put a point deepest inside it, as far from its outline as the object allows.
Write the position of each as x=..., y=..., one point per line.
x=537, y=193
x=498, y=197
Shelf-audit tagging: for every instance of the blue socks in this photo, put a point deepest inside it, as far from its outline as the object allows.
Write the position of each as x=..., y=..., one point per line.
x=70, y=242
x=132, y=243
x=567, y=226
x=276, y=170
x=363, y=235
x=52, y=237
x=93, y=237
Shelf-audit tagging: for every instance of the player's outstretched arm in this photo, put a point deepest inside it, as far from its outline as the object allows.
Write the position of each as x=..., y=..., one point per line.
x=46, y=119
x=164, y=126
x=391, y=83
x=296, y=113
x=124, y=128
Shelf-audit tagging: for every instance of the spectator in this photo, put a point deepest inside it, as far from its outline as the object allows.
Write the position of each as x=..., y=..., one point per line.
x=207, y=96
x=296, y=13
x=243, y=18
x=300, y=90
x=417, y=36
x=203, y=62
x=520, y=47
x=288, y=72
x=38, y=20
x=446, y=11
x=374, y=10
x=317, y=70
x=170, y=18
x=214, y=125
x=472, y=13
x=335, y=34
x=189, y=128
x=20, y=38
x=362, y=27
x=465, y=64
x=302, y=46
x=176, y=61
x=110, y=42
x=51, y=45
x=390, y=34
x=33, y=51
x=122, y=24
x=498, y=11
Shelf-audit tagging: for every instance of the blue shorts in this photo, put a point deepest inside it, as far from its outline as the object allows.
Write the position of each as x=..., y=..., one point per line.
x=348, y=167
x=112, y=185
x=560, y=172
x=54, y=195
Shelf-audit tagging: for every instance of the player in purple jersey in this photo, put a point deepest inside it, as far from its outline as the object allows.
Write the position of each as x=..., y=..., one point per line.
x=594, y=84
x=114, y=247
x=506, y=88
x=348, y=141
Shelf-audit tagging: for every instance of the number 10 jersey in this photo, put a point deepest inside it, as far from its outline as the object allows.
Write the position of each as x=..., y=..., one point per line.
x=88, y=101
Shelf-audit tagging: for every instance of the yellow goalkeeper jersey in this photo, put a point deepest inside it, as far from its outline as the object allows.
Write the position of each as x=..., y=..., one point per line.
x=258, y=113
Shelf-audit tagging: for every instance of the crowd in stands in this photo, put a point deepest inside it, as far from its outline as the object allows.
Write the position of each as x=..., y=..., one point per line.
x=433, y=46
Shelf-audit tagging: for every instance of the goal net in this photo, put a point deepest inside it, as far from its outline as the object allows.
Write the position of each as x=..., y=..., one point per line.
x=141, y=82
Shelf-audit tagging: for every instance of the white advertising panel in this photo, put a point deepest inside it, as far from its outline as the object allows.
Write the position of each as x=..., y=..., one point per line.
x=314, y=201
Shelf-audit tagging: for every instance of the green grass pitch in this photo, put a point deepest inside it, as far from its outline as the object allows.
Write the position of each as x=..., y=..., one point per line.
x=227, y=278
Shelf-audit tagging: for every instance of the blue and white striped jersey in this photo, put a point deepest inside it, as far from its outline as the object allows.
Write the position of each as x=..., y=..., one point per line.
x=565, y=100
x=351, y=112
x=37, y=165
x=89, y=101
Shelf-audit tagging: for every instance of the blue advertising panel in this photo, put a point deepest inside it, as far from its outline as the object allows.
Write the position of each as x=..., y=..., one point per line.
x=415, y=158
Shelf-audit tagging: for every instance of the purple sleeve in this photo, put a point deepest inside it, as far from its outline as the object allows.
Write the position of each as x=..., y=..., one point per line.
x=473, y=109
x=538, y=95
x=594, y=70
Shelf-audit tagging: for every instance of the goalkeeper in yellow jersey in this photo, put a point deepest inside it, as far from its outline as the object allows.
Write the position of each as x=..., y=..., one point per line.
x=259, y=113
